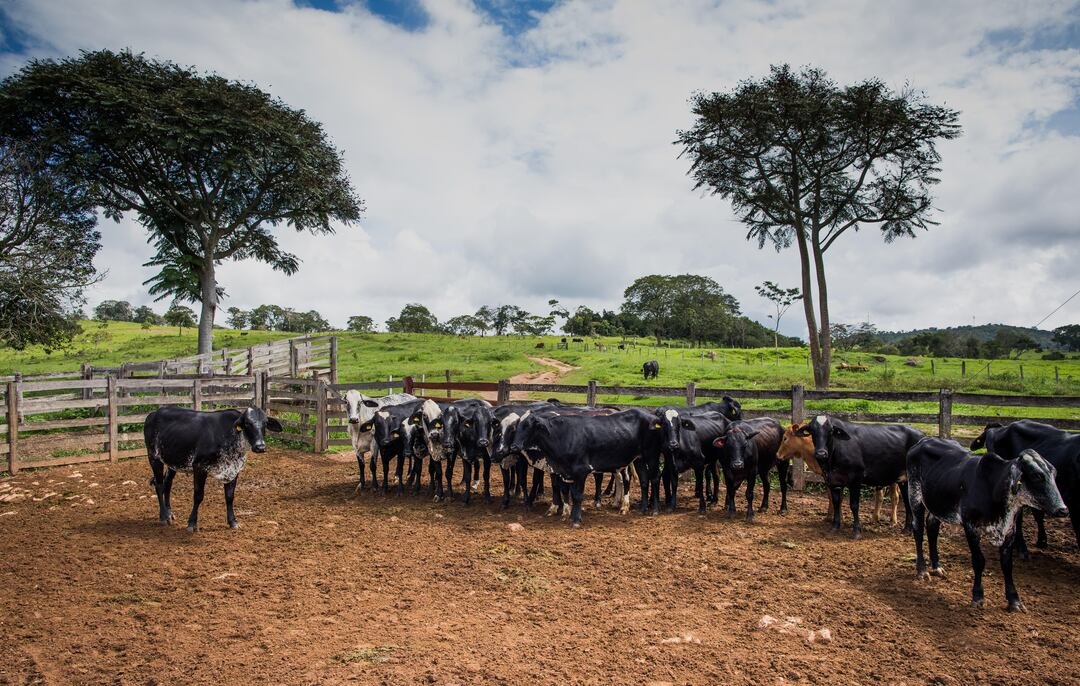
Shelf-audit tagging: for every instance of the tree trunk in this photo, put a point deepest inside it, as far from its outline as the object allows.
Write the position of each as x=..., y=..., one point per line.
x=820, y=382
x=208, y=288
x=824, y=333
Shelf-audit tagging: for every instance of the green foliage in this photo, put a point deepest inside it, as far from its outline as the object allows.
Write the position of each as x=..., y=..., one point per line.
x=114, y=310
x=1068, y=337
x=180, y=316
x=209, y=165
x=145, y=315
x=238, y=319
x=361, y=324
x=414, y=318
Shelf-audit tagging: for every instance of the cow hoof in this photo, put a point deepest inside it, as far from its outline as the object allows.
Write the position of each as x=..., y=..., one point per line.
x=234, y=525
x=749, y=519
x=856, y=534
x=597, y=504
x=977, y=603
x=575, y=525
x=783, y=511
x=1016, y=606
x=1041, y=544
x=763, y=508
x=922, y=575
x=551, y=511
x=192, y=528
x=938, y=572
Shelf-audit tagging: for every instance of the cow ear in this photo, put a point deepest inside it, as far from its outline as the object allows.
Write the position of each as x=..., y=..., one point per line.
x=839, y=433
x=273, y=424
x=803, y=430
x=718, y=442
x=656, y=426
x=368, y=402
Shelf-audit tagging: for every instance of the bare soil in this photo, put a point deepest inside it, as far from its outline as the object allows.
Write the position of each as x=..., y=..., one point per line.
x=317, y=587
x=557, y=370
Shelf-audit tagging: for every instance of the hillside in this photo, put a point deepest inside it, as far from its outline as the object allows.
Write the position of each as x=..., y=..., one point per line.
x=981, y=332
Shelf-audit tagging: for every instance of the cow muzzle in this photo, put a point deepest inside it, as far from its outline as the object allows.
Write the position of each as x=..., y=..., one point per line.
x=483, y=443
x=1061, y=512
x=354, y=420
x=259, y=447
x=673, y=445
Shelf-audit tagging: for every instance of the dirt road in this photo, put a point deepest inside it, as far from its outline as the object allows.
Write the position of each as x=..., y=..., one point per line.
x=556, y=371
x=318, y=588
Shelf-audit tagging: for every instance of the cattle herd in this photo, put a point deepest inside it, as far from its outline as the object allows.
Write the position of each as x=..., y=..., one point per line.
x=1027, y=464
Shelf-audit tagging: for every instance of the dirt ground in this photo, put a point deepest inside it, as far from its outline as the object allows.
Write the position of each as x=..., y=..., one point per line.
x=317, y=587
x=556, y=371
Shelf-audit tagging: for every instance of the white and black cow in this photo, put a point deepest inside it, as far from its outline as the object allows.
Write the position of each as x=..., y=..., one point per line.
x=982, y=493
x=1059, y=448
x=576, y=446
x=203, y=443
x=361, y=410
x=392, y=432
x=468, y=427
x=855, y=455
x=428, y=441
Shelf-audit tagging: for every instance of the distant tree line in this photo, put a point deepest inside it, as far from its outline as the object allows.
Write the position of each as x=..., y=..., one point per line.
x=1005, y=343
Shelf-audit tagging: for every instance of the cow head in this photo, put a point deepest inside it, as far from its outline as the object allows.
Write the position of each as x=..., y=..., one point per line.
x=737, y=444
x=474, y=429
x=671, y=424
x=731, y=408
x=529, y=429
x=1033, y=480
x=986, y=438
x=253, y=423
x=793, y=445
x=427, y=426
x=360, y=408
x=824, y=433
x=388, y=428
x=503, y=436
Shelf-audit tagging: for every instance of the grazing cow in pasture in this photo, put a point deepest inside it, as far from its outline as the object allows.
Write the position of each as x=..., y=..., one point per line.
x=669, y=421
x=792, y=445
x=468, y=428
x=747, y=452
x=393, y=436
x=1059, y=448
x=650, y=369
x=576, y=446
x=361, y=410
x=855, y=455
x=203, y=443
x=982, y=493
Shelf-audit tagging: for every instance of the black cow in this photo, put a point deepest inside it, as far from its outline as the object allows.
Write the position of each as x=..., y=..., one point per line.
x=468, y=427
x=856, y=455
x=669, y=420
x=748, y=451
x=650, y=369
x=576, y=446
x=427, y=441
x=984, y=494
x=1057, y=447
x=393, y=434
x=694, y=449
x=203, y=443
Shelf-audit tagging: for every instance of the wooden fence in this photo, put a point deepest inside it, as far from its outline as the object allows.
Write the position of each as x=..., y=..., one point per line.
x=64, y=422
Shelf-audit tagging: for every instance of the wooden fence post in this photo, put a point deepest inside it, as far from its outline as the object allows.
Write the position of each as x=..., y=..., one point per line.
x=87, y=373
x=196, y=394
x=945, y=413
x=590, y=394
x=447, y=381
x=19, y=396
x=408, y=385
x=321, y=420
x=114, y=429
x=262, y=383
x=333, y=359
x=798, y=413
x=691, y=393
x=13, y=426
x=251, y=361
x=503, y=395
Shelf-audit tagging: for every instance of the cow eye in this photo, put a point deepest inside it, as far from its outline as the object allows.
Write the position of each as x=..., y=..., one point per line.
x=468, y=424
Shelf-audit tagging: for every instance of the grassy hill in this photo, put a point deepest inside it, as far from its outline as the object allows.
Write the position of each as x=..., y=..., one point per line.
x=981, y=333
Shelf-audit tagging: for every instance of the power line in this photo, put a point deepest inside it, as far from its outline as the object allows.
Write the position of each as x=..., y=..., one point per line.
x=1056, y=309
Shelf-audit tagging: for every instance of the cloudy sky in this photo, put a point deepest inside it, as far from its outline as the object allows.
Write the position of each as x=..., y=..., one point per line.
x=520, y=151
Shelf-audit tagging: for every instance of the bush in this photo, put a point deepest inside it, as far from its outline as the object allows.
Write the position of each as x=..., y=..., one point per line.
x=1054, y=355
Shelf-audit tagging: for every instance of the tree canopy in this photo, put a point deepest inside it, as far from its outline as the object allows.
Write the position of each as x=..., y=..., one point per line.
x=208, y=165
x=686, y=306
x=48, y=242
x=804, y=161
x=414, y=318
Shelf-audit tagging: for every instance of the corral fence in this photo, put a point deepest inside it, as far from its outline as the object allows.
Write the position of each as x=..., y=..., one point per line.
x=57, y=421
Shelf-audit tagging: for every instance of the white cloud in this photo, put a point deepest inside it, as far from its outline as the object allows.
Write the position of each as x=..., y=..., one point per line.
x=514, y=170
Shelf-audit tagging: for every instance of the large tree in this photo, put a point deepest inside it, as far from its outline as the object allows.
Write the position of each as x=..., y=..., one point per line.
x=47, y=246
x=208, y=165
x=804, y=161
x=683, y=306
x=413, y=318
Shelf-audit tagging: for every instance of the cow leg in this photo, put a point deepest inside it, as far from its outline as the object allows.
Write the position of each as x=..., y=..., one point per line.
x=903, y=488
x=1040, y=521
x=933, y=528
x=577, y=494
x=487, y=477
x=669, y=478
x=199, y=477
x=611, y=485
x=1074, y=516
x=450, y=477
x=978, y=563
x=836, y=493
x=622, y=490
x=362, y=476
x=598, y=483
x=729, y=497
x=766, y=487
x=508, y=485
x=853, y=502
x=751, y=478
x=1018, y=535
x=878, y=496
x=643, y=479
x=783, y=469
x=919, y=517
x=1011, y=596
x=170, y=474
x=699, y=490
x=535, y=488
x=654, y=488
x=230, y=516
x=373, y=463
x=159, y=488
x=399, y=473
x=437, y=479
x=713, y=475
x=466, y=468
x=894, y=493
